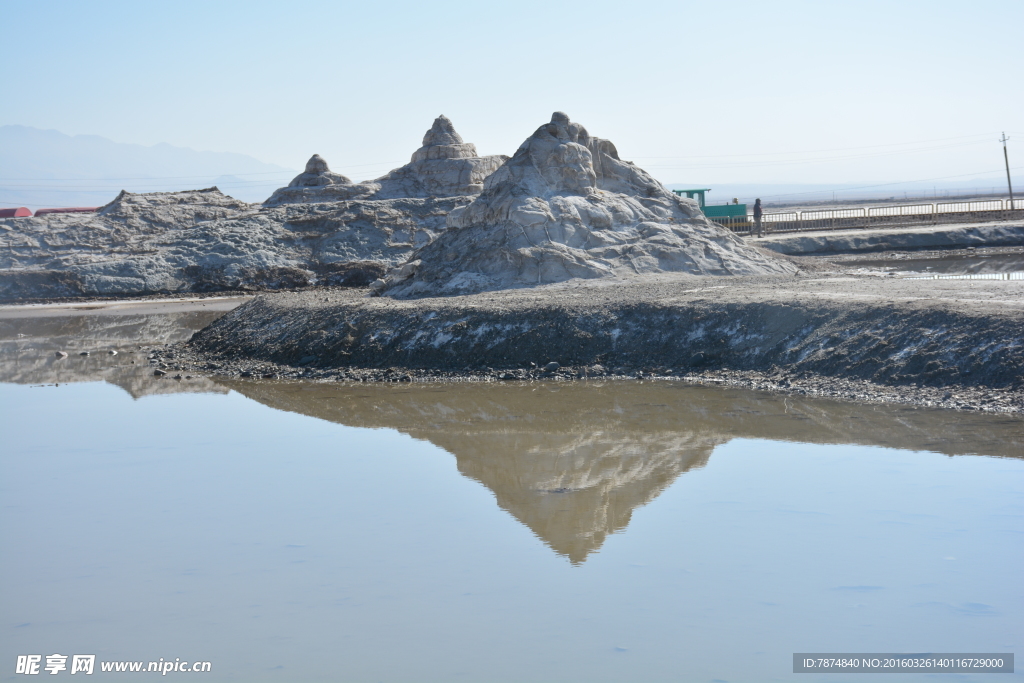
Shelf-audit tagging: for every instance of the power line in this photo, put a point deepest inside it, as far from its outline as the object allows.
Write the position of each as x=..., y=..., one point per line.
x=791, y=162
x=813, y=151
x=392, y=164
x=169, y=177
x=285, y=172
x=903, y=182
x=112, y=188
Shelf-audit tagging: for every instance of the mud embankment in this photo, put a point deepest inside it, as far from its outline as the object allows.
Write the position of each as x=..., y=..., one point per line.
x=976, y=235
x=923, y=335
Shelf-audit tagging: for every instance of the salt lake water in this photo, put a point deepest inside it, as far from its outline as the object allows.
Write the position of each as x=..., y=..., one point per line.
x=598, y=531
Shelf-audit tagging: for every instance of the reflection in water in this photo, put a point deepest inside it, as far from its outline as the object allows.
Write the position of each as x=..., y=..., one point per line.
x=572, y=461
x=281, y=547
x=28, y=344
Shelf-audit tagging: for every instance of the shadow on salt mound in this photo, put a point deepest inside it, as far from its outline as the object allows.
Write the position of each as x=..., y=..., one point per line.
x=566, y=206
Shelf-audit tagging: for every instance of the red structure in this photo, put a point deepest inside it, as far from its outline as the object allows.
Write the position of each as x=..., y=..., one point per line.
x=67, y=209
x=20, y=212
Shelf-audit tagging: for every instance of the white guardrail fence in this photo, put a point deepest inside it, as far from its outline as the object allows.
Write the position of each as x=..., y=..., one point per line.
x=878, y=216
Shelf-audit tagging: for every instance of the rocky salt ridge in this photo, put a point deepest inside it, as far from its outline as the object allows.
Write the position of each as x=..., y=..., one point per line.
x=566, y=206
x=204, y=241
x=445, y=166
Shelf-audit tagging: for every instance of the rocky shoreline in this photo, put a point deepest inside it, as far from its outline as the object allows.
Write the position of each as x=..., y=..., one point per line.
x=949, y=343
x=178, y=365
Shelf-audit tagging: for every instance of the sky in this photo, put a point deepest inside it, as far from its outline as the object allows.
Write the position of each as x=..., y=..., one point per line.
x=695, y=92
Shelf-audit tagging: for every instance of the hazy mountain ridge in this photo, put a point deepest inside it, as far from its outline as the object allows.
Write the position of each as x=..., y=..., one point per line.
x=43, y=168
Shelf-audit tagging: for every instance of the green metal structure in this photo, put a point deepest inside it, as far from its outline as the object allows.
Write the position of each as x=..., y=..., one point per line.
x=690, y=194
x=734, y=211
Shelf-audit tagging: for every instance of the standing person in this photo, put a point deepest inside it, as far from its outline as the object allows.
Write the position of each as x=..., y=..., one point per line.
x=757, y=217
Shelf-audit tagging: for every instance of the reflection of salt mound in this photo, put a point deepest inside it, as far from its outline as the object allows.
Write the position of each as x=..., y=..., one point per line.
x=571, y=464
x=28, y=346
x=444, y=166
x=566, y=206
x=576, y=490
x=572, y=461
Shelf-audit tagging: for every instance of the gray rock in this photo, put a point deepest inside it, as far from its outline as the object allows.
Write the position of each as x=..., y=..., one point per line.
x=566, y=206
x=84, y=353
x=112, y=352
x=551, y=367
x=159, y=373
x=61, y=354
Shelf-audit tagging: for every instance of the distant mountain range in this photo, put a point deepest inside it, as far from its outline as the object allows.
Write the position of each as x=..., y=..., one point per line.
x=46, y=168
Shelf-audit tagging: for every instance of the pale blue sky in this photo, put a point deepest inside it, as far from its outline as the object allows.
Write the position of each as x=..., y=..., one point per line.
x=697, y=92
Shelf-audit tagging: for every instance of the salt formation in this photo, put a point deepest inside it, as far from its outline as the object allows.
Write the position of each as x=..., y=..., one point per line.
x=565, y=206
x=321, y=229
x=444, y=166
x=317, y=184
x=317, y=173
x=203, y=240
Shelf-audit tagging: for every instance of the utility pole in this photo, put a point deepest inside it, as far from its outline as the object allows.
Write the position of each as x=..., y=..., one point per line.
x=1006, y=158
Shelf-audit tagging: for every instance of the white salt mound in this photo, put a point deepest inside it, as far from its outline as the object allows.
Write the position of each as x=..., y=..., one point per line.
x=444, y=166
x=565, y=206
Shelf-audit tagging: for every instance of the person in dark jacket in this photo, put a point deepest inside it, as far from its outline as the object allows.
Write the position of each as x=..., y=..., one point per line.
x=757, y=217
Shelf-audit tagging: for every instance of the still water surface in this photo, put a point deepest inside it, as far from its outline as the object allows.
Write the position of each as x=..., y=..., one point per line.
x=621, y=531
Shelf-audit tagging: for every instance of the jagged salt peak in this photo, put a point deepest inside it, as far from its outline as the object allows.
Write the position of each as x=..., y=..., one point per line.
x=442, y=133
x=318, y=174
x=317, y=164
x=443, y=142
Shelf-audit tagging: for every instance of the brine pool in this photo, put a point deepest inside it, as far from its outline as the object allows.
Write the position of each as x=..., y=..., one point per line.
x=591, y=531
